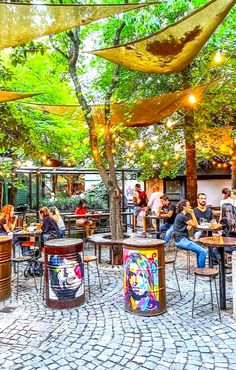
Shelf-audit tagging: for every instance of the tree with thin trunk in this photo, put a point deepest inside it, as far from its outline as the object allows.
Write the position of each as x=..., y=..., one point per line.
x=108, y=175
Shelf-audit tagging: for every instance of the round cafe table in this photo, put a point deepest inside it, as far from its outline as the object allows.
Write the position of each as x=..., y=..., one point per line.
x=220, y=242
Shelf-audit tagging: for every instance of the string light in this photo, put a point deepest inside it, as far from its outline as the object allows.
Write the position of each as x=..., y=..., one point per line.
x=127, y=143
x=44, y=157
x=132, y=145
x=192, y=99
x=218, y=58
x=48, y=162
x=151, y=156
x=140, y=144
x=165, y=163
x=113, y=151
x=169, y=123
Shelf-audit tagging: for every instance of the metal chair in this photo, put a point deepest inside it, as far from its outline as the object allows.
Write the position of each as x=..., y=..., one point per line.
x=210, y=273
x=17, y=260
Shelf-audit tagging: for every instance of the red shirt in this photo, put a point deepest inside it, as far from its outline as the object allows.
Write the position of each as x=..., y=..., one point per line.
x=80, y=211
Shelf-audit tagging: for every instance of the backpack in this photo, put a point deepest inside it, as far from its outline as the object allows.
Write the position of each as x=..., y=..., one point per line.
x=142, y=199
x=34, y=268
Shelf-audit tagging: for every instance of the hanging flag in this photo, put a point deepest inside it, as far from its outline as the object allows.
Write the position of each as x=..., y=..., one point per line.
x=173, y=48
x=23, y=22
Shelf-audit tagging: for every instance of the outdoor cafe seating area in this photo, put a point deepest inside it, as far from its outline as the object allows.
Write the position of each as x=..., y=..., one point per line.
x=97, y=251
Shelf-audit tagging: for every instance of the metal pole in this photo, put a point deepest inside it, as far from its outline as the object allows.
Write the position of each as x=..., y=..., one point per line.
x=30, y=190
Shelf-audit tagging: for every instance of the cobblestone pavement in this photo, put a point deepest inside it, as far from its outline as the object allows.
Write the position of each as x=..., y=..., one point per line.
x=101, y=335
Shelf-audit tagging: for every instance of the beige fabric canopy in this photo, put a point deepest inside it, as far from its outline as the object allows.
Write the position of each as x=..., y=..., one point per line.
x=173, y=48
x=144, y=112
x=21, y=22
x=6, y=96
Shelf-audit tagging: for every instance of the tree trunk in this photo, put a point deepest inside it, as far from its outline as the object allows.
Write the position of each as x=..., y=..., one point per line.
x=190, y=147
x=233, y=167
x=191, y=166
x=116, y=224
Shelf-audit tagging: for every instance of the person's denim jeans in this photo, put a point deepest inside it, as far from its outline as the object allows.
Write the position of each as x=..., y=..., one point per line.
x=169, y=231
x=188, y=244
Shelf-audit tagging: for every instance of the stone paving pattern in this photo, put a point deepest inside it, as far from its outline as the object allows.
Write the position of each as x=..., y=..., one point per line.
x=101, y=335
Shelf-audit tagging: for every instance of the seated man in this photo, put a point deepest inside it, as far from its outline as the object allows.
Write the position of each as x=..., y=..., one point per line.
x=167, y=211
x=202, y=212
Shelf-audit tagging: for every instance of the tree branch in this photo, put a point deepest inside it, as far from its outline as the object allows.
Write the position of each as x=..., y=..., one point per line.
x=57, y=48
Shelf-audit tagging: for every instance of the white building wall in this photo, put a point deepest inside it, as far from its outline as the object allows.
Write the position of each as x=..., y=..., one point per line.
x=212, y=188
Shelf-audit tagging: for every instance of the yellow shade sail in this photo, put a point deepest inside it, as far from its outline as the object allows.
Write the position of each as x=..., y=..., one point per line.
x=143, y=112
x=173, y=48
x=6, y=96
x=21, y=22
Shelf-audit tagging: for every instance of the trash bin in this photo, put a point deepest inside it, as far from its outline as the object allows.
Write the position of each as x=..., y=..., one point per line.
x=64, y=273
x=5, y=267
x=144, y=276
x=234, y=282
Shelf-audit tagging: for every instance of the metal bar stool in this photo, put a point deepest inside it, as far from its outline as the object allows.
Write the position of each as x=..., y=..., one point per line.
x=87, y=260
x=210, y=273
x=171, y=260
x=188, y=258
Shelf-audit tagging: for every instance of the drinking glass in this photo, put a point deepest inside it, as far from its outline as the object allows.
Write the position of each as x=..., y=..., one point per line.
x=38, y=226
x=25, y=228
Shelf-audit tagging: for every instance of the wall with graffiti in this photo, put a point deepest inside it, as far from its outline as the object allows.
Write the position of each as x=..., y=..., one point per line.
x=141, y=280
x=66, y=277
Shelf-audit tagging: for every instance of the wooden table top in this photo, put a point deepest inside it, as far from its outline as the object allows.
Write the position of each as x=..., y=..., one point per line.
x=218, y=241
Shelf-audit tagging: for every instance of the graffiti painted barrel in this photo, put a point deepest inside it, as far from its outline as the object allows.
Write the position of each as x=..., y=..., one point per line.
x=144, y=276
x=5, y=267
x=64, y=273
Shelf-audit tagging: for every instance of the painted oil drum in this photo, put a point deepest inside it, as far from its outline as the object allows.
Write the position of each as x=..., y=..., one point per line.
x=64, y=273
x=144, y=276
x=5, y=267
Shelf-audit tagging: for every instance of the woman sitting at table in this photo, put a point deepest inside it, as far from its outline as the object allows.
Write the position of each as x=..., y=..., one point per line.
x=228, y=222
x=83, y=221
x=7, y=220
x=185, y=219
x=57, y=217
x=50, y=229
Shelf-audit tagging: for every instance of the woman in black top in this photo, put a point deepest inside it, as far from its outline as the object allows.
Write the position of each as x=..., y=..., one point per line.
x=50, y=228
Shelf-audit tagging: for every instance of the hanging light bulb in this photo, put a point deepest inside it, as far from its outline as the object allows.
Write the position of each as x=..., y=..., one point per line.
x=218, y=58
x=192, y=99
x=132, y=145
x=127, y=143
x=151, y=156
x=140, y=144
x=169, y=123
x=48, y=162
x=44, y=157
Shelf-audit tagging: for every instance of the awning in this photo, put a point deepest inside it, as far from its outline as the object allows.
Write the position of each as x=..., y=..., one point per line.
x=173, y=48
x=143, y=112
x=21, y=22
x=6, y=96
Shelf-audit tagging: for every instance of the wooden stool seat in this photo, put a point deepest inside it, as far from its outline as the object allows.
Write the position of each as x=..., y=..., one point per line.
x=88, y=259
x=169, y=260
x=206, y=272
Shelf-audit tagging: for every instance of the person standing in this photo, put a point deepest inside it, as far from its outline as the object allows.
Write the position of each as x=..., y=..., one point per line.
x=140, y=200
x=154, y=201
x=184, y=219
